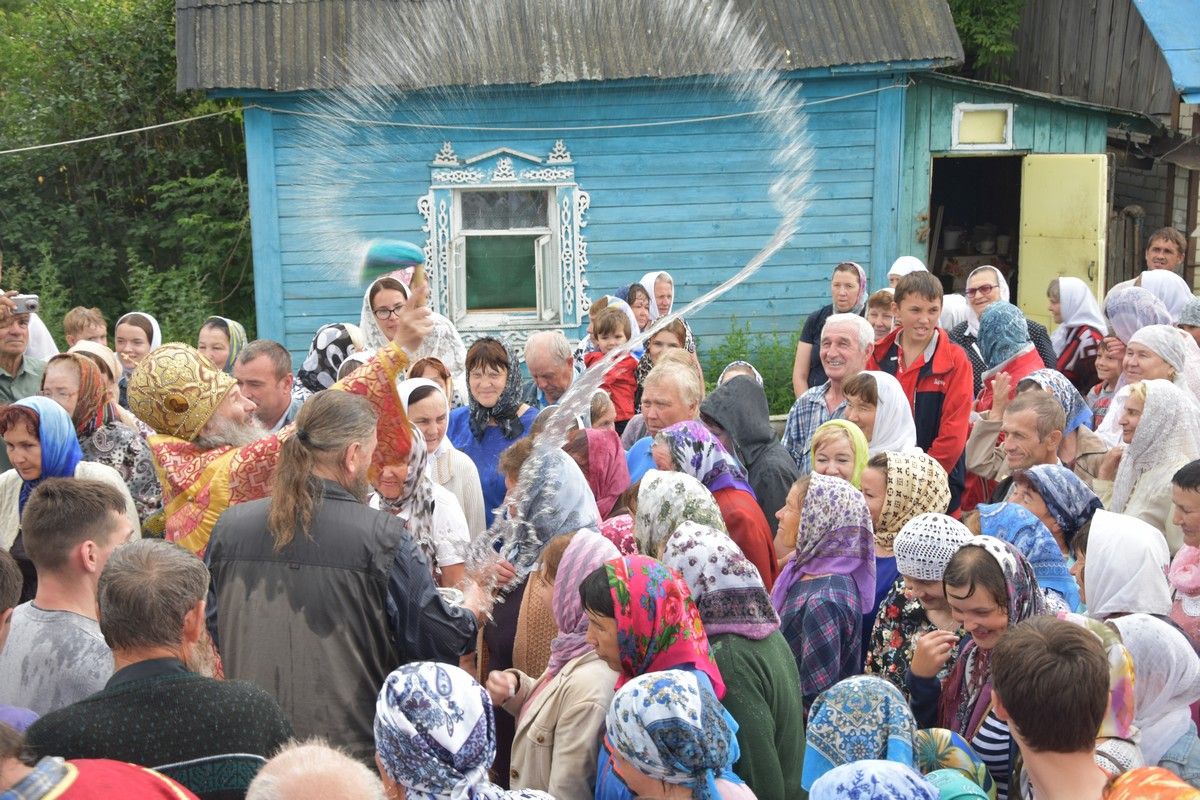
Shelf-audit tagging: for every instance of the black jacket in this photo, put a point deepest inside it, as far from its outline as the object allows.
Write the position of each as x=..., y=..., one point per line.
x=740, y=407
x=321, y=623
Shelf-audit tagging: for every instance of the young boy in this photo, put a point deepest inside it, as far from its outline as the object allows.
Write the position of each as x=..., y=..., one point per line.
x=85, y=323
x=934, y=372
x=1108, y=369
x=611, y=330
x=1050, y=684
x=881, y=313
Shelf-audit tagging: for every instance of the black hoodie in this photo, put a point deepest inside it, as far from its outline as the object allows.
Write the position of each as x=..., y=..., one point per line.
x=740, y=407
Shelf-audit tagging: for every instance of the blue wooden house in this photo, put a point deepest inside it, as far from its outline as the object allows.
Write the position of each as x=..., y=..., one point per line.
x=544, y=177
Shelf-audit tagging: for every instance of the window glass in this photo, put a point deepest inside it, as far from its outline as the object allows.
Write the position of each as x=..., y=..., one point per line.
x=501, y=273
x=482, y=211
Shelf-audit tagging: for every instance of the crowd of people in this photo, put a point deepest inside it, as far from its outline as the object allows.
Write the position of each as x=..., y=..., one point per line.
x=968, y=566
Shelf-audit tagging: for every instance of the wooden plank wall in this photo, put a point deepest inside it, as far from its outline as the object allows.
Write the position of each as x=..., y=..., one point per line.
x=1038, y=127
x=1095, y=50
x=691, y=200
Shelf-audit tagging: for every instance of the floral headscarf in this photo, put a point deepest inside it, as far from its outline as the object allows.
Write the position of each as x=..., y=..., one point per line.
x=236, y=334
x=1168, y=432
x=967, y=692
x=1126, y=567
x=726, y=587
x=332, y=344
x=504, y=412
x=696, y=452
x=665, y=501
x=415, y=502
x=1168, y=681
x=92, y=407
x=1068, y=499
x=834, y=537
x=606, y=470
x=658, y=626
x=669, y=726
x=940, y=749
x=619, y=531
x=873, y=780
x=586, y=553
x=436, y=736
x=61, y=453
x=1072, y=402
x=859, y=718
x=858, y=443
x=1150, y=783
x=1118, y=717
x=916, y=484
x=1003, y=333
x=1018, y=526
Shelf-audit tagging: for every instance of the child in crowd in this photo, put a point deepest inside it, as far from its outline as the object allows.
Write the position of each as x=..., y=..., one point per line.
x=1108, y=370
x=612, y=329
x=80, y=324
x=935, y=374
x=881, y=312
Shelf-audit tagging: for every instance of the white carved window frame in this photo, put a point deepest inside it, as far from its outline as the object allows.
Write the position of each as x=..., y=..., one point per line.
x=505, y=168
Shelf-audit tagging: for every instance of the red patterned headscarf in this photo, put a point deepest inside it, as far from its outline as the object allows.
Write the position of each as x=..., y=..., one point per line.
x=658, y=626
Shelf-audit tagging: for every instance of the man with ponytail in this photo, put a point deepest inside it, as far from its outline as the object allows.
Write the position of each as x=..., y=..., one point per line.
x=211, y=452
x=315, y=596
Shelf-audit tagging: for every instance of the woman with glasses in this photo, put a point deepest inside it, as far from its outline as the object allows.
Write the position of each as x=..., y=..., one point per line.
x=848, y=290
x=986, y=285
x=493, y=418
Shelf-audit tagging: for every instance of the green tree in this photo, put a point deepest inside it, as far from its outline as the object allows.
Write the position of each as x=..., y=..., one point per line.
x=986, y=28
x=114, y=222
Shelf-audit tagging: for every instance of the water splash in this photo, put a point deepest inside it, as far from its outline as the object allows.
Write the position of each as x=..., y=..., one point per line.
x=416, y=63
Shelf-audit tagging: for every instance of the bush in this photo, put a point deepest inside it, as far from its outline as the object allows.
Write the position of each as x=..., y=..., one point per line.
x=773, y=354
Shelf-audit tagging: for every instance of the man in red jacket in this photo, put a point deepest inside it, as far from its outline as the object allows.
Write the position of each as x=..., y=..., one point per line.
x=935, y=373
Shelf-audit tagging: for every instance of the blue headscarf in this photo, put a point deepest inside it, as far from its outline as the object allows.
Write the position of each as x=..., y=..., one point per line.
x=1019, y=527
x=60, y=446
x=1075, y=407
x=873, y=780
x=1003, y=333
x=1068, y=499
x=863, y=717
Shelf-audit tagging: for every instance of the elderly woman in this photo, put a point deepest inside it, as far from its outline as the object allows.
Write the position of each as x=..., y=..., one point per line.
x=848, y=287
x=1161, y=433
x=666, y=500
x=671, y=738
x=1121, y=568
x=435, y=738
x=1057, y=497
x=42, y=444
x=74, y=382
x=494, y=417
x=743, y=633
x=1081, y=326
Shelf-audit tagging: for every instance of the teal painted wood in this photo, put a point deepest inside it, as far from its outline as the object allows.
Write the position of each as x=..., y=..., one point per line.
x=264, y=228
x=691, y=200
x=1039, y=126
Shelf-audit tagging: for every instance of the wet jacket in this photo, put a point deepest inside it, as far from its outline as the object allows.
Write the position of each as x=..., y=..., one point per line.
x=740, y=407
x=941, y=395
x=322, y=622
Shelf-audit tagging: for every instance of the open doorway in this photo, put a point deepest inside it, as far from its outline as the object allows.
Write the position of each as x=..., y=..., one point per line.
x=978, y=199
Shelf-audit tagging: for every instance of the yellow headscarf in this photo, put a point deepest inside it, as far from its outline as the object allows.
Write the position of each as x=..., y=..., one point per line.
x=858, y=443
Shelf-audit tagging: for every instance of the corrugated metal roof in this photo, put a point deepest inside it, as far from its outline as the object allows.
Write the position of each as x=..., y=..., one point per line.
x=284, y=45
x=1175, y=25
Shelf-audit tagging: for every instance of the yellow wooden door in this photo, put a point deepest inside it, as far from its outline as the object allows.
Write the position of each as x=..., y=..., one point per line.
x=1064, y=215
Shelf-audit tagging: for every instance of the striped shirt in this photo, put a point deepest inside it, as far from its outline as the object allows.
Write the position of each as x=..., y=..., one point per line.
x=992, y=742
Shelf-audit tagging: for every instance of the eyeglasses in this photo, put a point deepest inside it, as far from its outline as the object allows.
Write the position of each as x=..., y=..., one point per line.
x=985, y=289
x=58, y=394
x=388, y=313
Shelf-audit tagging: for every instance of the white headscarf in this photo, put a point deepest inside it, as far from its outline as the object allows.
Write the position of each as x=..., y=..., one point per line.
x=1126, y=569
x=906, y=265
x=156, y=336
x=41, y=344
x=648, y=280
x=1177, y=348
x=1167, y=681
x=1168, y=433
x=894, y=431
x=1168, y=287
x=443, y=342
x=972, y=317
x=405, y=388
x=1079, y=307
x=954, y=311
